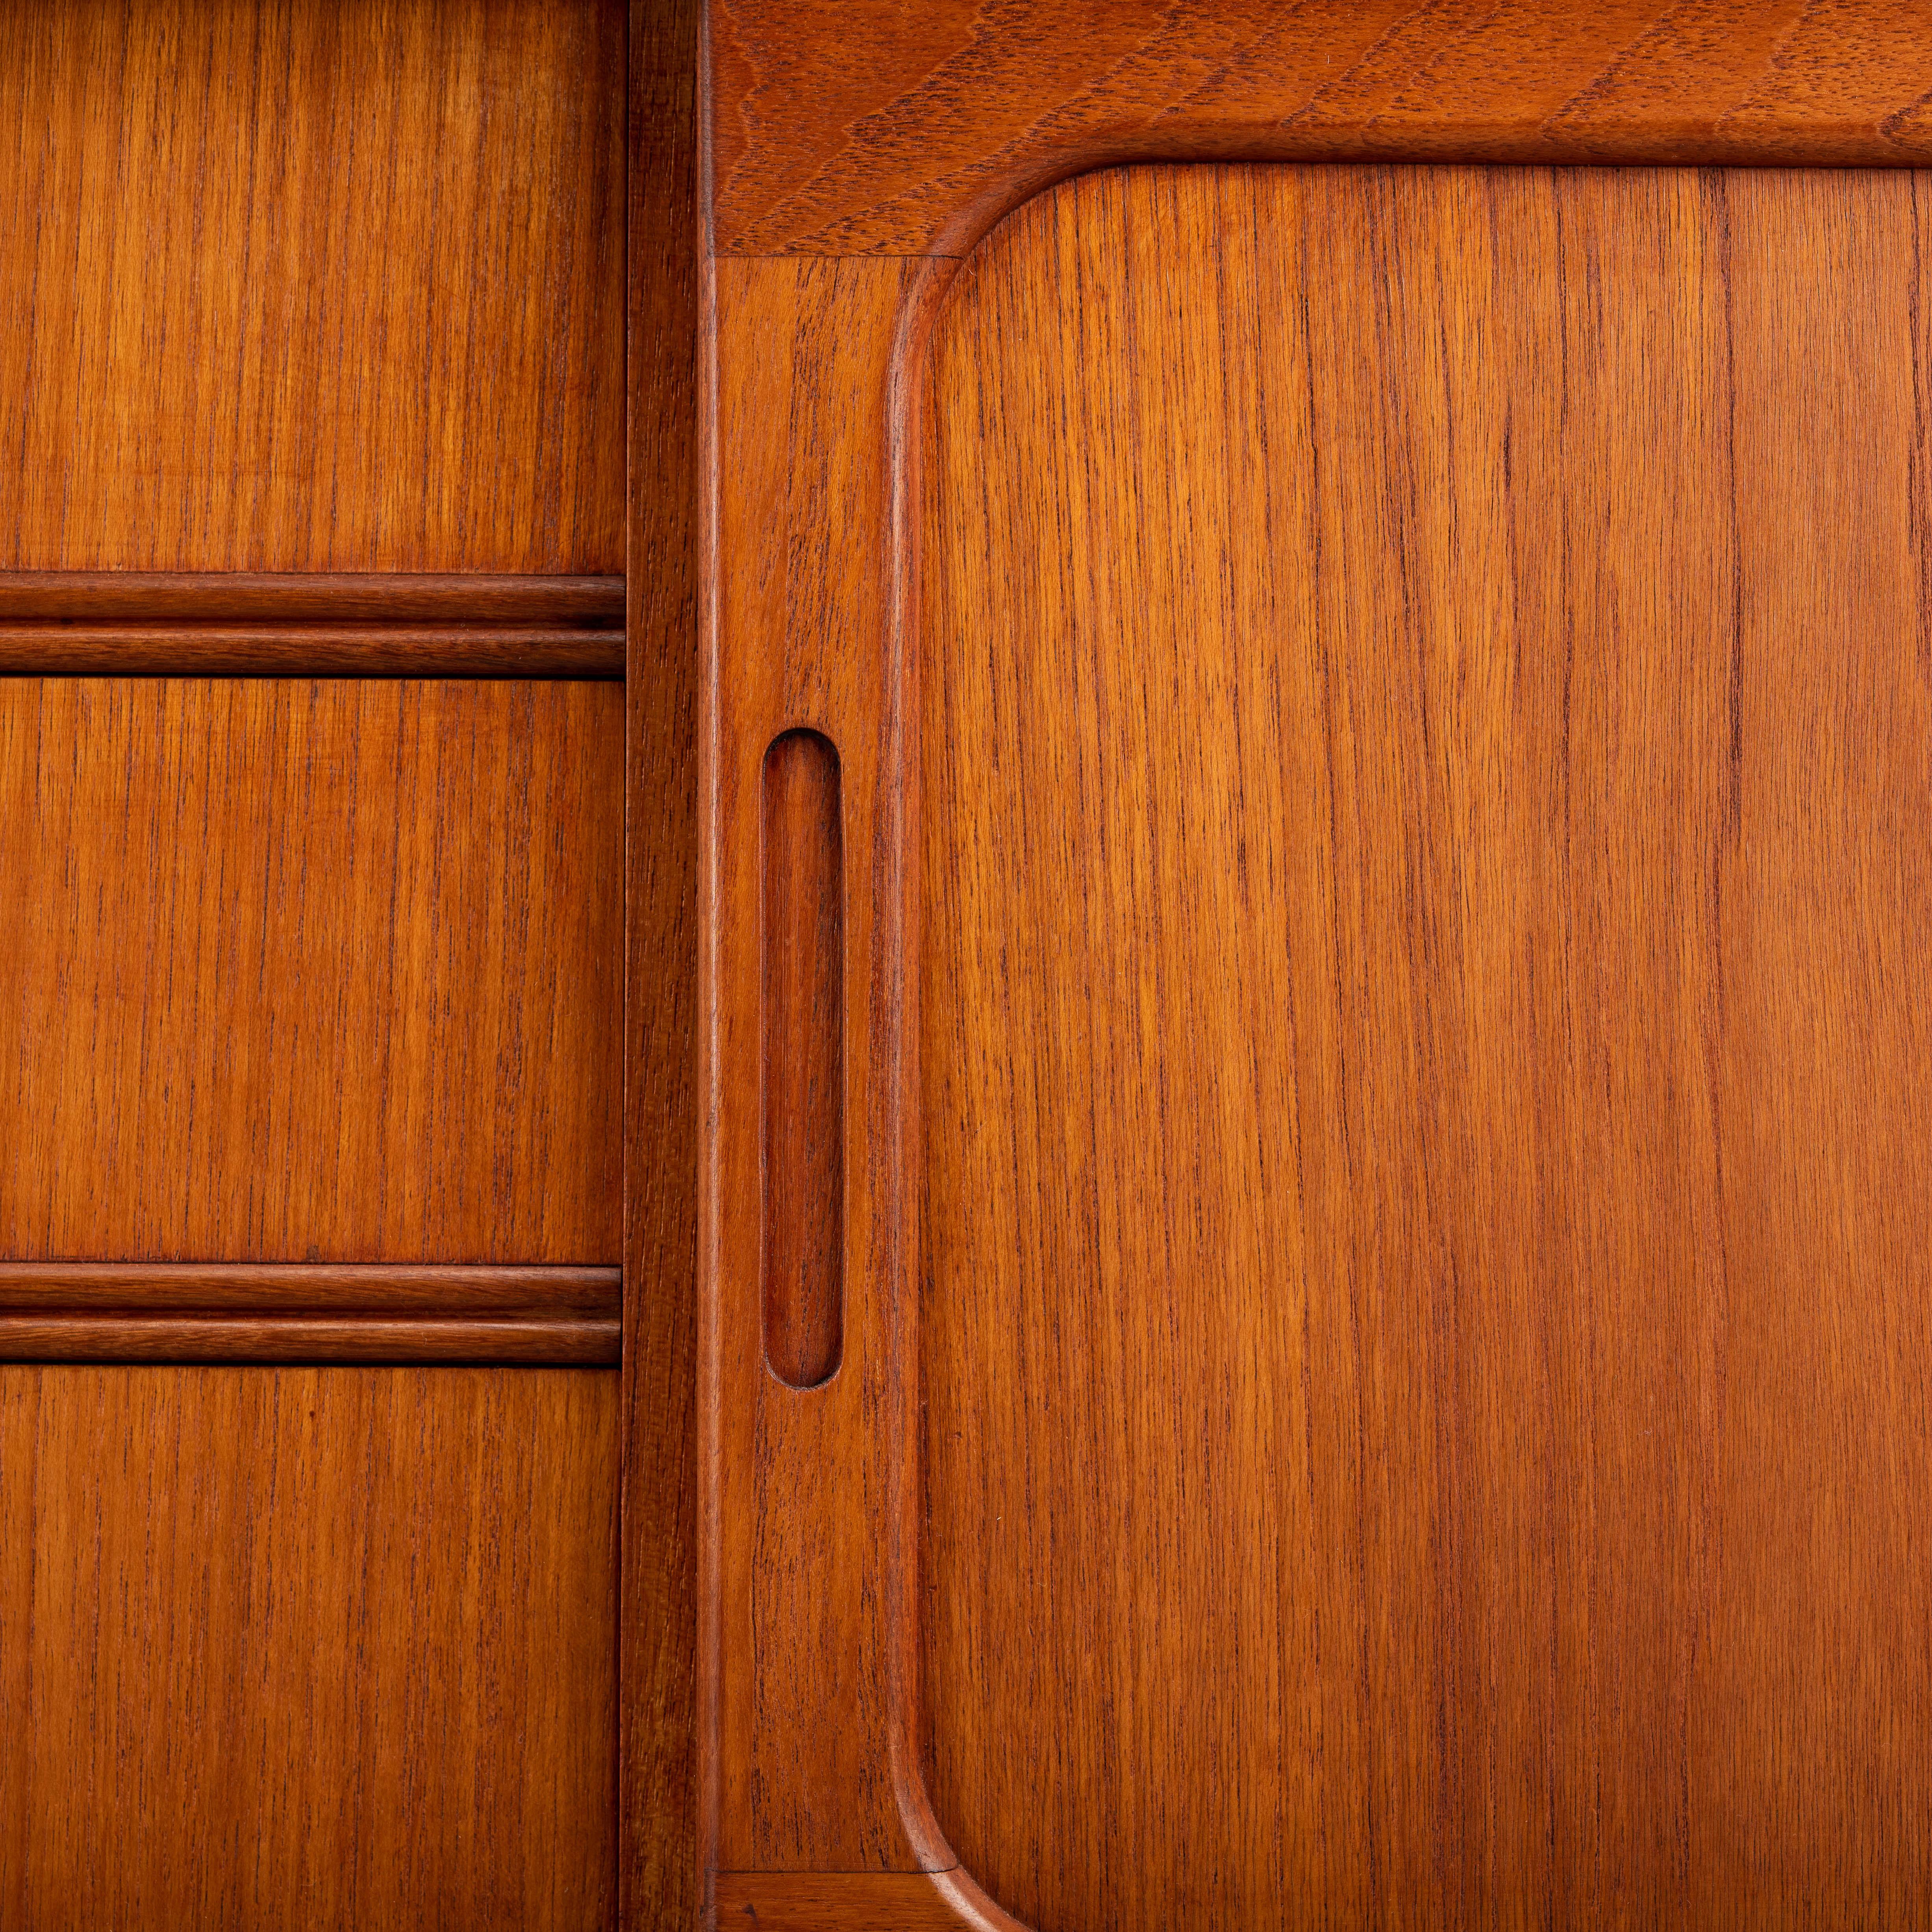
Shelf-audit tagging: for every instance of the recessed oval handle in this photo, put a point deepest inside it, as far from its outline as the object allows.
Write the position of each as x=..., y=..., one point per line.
x=803, y=991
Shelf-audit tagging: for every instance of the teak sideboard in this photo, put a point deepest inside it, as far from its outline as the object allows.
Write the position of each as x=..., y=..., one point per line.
x=966, y=964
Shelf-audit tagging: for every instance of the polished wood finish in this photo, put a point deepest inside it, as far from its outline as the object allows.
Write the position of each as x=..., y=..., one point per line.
x=307, y=1648
x=321, y=971
x=311, y=1047
x=843, y=144
x=288, y=1311
x=841, y=130
x=82, y=623
x=1426, y=880
x=798, y=1614
x=312, y=287
x=802, y=1178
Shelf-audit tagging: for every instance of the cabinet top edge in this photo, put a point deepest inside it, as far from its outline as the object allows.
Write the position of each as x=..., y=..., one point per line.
x=836, y=130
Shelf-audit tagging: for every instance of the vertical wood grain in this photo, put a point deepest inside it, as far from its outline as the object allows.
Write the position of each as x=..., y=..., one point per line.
x=801, y=1481
x=307, y=1647
x=1428, y=881
x=661, y=1862
x=312, y=286
x=802, y=1181
x=324, y=971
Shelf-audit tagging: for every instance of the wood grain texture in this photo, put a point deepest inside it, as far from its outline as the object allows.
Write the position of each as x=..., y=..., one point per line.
x=1428, y=885
x=320, y=971
x=310, y=287
x=801, y=1481
x=836, y=1901
x=843, y=129
x=663, y=1862
x=307, y=1648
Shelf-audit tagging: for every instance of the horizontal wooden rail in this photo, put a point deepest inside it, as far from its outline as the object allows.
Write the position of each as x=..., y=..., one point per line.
x=307, y=651
x=65, y=623
x=309, y=597
x=531, y=1340
x=269, y=1312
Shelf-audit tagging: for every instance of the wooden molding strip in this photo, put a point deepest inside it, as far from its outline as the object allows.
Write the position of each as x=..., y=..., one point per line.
x=265, y=650
x=310, y=597
x=61, y=623
x=555, y=1340
x=285, y=1312
x=363, y=1287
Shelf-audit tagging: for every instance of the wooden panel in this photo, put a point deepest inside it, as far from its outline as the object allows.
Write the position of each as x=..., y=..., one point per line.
x=1428, y=737
x=308, y=286
x=322, y=971
x=843, y=129
x=662, y=1865
x=326, y=1648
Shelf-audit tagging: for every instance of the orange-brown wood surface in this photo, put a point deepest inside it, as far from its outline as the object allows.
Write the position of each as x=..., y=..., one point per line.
x=306, y=1312
x=312, y=1035
x=319, y=1288
x=845, y=129
x=311, y=287
x=661, y=1875
x=1406, y=1172
x=1427, y=895
x=368, y=599
x=371, y=624
x=322, y=971
x=307, y=1648
x=797, y=1623
x=277, y=1335
x=833, y=1901
x=132, y=650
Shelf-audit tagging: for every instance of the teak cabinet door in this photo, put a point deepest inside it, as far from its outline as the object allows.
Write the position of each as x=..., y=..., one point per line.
x=1315, y=1081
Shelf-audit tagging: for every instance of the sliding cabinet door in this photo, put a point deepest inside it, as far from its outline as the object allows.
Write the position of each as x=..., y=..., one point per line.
x=1319, y=1219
